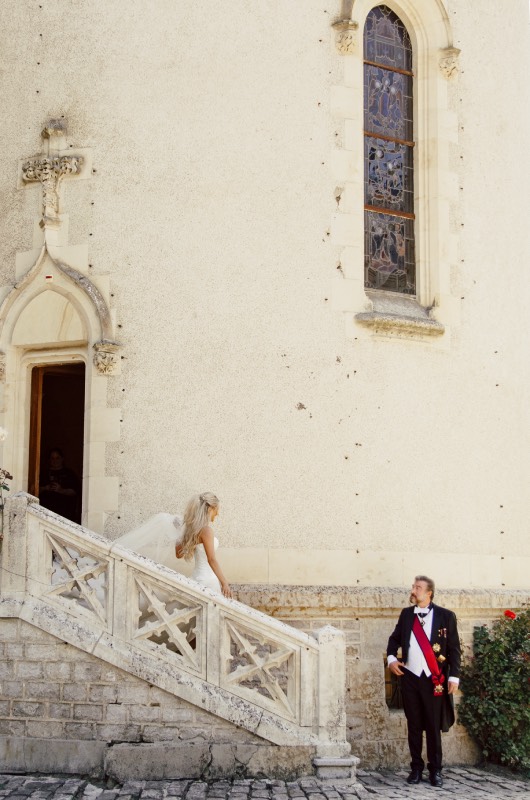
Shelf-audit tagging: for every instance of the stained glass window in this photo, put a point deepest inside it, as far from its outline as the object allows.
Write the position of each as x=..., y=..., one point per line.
x=388, y=154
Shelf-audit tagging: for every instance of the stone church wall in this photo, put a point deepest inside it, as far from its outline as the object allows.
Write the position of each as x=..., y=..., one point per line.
x=218, y=214
x=206, y=265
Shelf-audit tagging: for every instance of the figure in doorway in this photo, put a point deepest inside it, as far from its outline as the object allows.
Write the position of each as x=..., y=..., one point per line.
x=60, y=487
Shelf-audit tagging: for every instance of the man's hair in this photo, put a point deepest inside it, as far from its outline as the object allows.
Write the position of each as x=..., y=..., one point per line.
x=428, y=581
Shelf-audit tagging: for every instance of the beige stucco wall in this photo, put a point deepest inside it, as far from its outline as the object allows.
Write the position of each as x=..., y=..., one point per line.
x=209, y=222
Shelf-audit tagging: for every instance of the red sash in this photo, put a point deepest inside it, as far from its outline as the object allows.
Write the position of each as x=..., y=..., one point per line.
x=437, y=676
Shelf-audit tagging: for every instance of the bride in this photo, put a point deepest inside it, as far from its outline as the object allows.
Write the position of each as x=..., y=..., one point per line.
x=198, y=540
x=165, y=536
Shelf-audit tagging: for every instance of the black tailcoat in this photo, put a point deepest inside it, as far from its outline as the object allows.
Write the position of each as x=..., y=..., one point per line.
x=444, y=633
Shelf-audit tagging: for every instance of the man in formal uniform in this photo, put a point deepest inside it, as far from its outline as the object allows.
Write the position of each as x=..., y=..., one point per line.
x=429, y=670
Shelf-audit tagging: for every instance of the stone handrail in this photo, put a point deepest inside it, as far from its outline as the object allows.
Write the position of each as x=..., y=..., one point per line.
x=216, y=653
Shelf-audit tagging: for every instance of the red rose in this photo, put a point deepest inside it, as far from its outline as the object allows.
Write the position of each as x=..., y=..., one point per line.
x=509, y=614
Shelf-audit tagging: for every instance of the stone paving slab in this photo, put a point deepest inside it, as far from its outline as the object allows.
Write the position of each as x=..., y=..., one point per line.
x=459, y=782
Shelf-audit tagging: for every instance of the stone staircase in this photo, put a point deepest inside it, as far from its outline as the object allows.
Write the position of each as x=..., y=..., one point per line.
x=279, y=684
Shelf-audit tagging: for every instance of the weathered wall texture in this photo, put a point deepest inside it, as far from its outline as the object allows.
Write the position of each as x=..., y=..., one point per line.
x=207, y=216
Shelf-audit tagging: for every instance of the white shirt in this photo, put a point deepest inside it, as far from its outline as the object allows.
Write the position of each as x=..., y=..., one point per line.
x=416, y=662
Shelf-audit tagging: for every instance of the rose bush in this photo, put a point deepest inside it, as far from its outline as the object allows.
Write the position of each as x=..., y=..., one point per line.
x=495, y=707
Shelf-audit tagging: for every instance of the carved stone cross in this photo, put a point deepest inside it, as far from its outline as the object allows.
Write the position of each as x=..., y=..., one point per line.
x=50, y=169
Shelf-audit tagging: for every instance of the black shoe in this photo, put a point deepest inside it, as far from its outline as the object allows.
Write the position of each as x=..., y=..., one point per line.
x=415, y=776
x=436, y=779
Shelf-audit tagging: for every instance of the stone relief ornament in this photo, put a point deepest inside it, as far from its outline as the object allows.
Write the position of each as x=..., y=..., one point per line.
x=346, y=36
x=449, y=61
x=49, y=170
x=106, y=357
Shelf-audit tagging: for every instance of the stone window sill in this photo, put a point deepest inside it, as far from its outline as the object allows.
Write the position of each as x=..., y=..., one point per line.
x=392, y=312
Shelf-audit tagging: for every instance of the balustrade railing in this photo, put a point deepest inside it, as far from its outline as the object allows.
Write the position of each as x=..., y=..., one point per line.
x=223, y=656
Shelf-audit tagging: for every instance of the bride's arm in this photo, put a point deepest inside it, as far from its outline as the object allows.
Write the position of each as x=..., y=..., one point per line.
x=207, y=539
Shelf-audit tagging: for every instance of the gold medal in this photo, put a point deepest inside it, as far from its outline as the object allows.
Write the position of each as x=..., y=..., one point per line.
x=441, y=659
x=436, y=648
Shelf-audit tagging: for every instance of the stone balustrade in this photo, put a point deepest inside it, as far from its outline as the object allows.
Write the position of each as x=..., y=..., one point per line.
x=226, y=658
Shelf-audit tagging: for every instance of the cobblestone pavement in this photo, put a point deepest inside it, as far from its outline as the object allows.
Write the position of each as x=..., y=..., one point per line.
x=466, y=783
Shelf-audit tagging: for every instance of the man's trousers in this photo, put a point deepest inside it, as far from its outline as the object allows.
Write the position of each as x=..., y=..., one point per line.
x=423, y=712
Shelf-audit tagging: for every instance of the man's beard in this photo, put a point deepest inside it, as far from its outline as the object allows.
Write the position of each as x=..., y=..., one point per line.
x=413, y=599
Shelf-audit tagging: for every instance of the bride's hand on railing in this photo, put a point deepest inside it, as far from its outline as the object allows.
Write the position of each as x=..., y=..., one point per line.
x=225, y=588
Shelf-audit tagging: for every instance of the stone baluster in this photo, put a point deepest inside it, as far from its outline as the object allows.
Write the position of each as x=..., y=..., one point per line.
x=14, y=548
x=333, y=760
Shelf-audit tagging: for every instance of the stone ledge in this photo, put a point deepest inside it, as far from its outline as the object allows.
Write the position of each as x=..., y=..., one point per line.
x=387, y=322
x=160, y=761
x=279, y=600
x=336, y=769
x=69, y=756
x=206, y=761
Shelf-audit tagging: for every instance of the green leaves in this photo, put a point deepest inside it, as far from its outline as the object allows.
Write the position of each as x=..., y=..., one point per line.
x=495, y=707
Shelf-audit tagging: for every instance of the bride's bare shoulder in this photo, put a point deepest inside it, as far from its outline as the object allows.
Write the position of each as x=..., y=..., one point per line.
x=206, y=534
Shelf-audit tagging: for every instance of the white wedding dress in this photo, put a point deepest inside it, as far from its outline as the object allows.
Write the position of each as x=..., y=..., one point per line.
x=157, y=539
x=202, y=571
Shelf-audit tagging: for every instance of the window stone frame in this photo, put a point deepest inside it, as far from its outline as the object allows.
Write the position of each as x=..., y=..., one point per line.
x=433, y=311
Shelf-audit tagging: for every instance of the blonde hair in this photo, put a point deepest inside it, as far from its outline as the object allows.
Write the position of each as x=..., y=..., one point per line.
x=196, y=517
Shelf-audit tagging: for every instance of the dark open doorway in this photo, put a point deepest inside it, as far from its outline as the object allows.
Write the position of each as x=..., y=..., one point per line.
x=56, y=437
